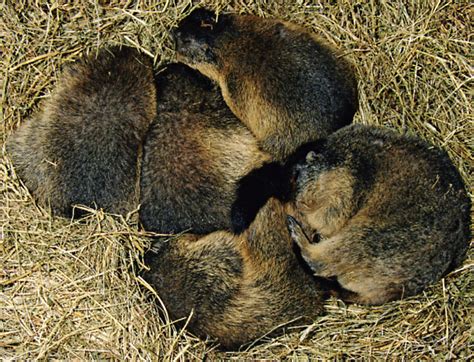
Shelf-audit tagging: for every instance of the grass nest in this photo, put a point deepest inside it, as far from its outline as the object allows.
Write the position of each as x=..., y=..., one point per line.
x=70, y=289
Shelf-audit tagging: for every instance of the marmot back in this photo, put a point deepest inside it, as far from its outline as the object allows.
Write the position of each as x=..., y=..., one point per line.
x=238, y=288
x=83, y=146
x=194, y=154
x=385, y=214
x=284, y=84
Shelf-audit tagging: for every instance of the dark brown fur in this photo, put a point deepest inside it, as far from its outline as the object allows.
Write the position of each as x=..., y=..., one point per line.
x=195, y=152
x=238, y=288
x=385, y=214
x=83, y=146
x=284, y=83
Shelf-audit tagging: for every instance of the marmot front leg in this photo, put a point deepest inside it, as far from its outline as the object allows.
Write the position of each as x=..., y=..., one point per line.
x=309, y=251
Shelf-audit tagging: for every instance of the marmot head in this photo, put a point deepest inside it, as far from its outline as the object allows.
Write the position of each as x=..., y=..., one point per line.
x=216, y=45
x=324, y=190
x=200, y=37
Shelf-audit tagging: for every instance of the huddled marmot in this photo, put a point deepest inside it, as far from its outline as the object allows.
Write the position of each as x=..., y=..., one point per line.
x=83, y=146
x=385, y=214
x=279, y=79
x=195, y=153
x=237, y=287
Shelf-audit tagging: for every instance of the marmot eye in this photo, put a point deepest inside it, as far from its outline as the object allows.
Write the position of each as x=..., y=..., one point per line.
x=316, y=238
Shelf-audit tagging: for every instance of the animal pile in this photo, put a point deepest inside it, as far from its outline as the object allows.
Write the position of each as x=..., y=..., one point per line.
x=247, y=147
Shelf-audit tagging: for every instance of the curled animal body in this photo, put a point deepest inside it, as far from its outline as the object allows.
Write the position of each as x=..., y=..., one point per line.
x=383, y=213
x=83, y=146
x=236, y=288
x=283, y=82
x=195, y=153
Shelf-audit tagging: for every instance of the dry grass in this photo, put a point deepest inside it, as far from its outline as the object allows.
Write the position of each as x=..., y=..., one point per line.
x=70, y=290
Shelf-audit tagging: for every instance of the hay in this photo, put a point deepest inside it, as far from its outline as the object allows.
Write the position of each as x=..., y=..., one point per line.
x=70, y=289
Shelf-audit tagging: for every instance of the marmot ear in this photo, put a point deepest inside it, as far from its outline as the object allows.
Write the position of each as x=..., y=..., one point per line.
x=311, y=156
x=282, y=31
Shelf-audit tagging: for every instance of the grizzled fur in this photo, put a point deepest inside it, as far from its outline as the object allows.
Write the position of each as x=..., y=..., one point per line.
x=194, y=154
x=385, y=214
x=83, y=146
x=237, y=287
x=280, y=80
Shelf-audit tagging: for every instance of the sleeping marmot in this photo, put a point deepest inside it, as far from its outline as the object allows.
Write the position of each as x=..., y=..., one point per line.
x=385, y=214
x=83, y=146
x=284, y=83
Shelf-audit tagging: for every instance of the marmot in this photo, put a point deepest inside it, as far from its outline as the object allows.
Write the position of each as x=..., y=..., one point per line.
x=237, y=287
x=279, y=79
x=385, y=214
x=83, y=146
x=194, y=155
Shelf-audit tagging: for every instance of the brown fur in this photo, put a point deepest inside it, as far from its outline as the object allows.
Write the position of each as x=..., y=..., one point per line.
x=83, y=146
x=194, y=154
x=392, y=212
x=237, y=288
x=284, y=83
